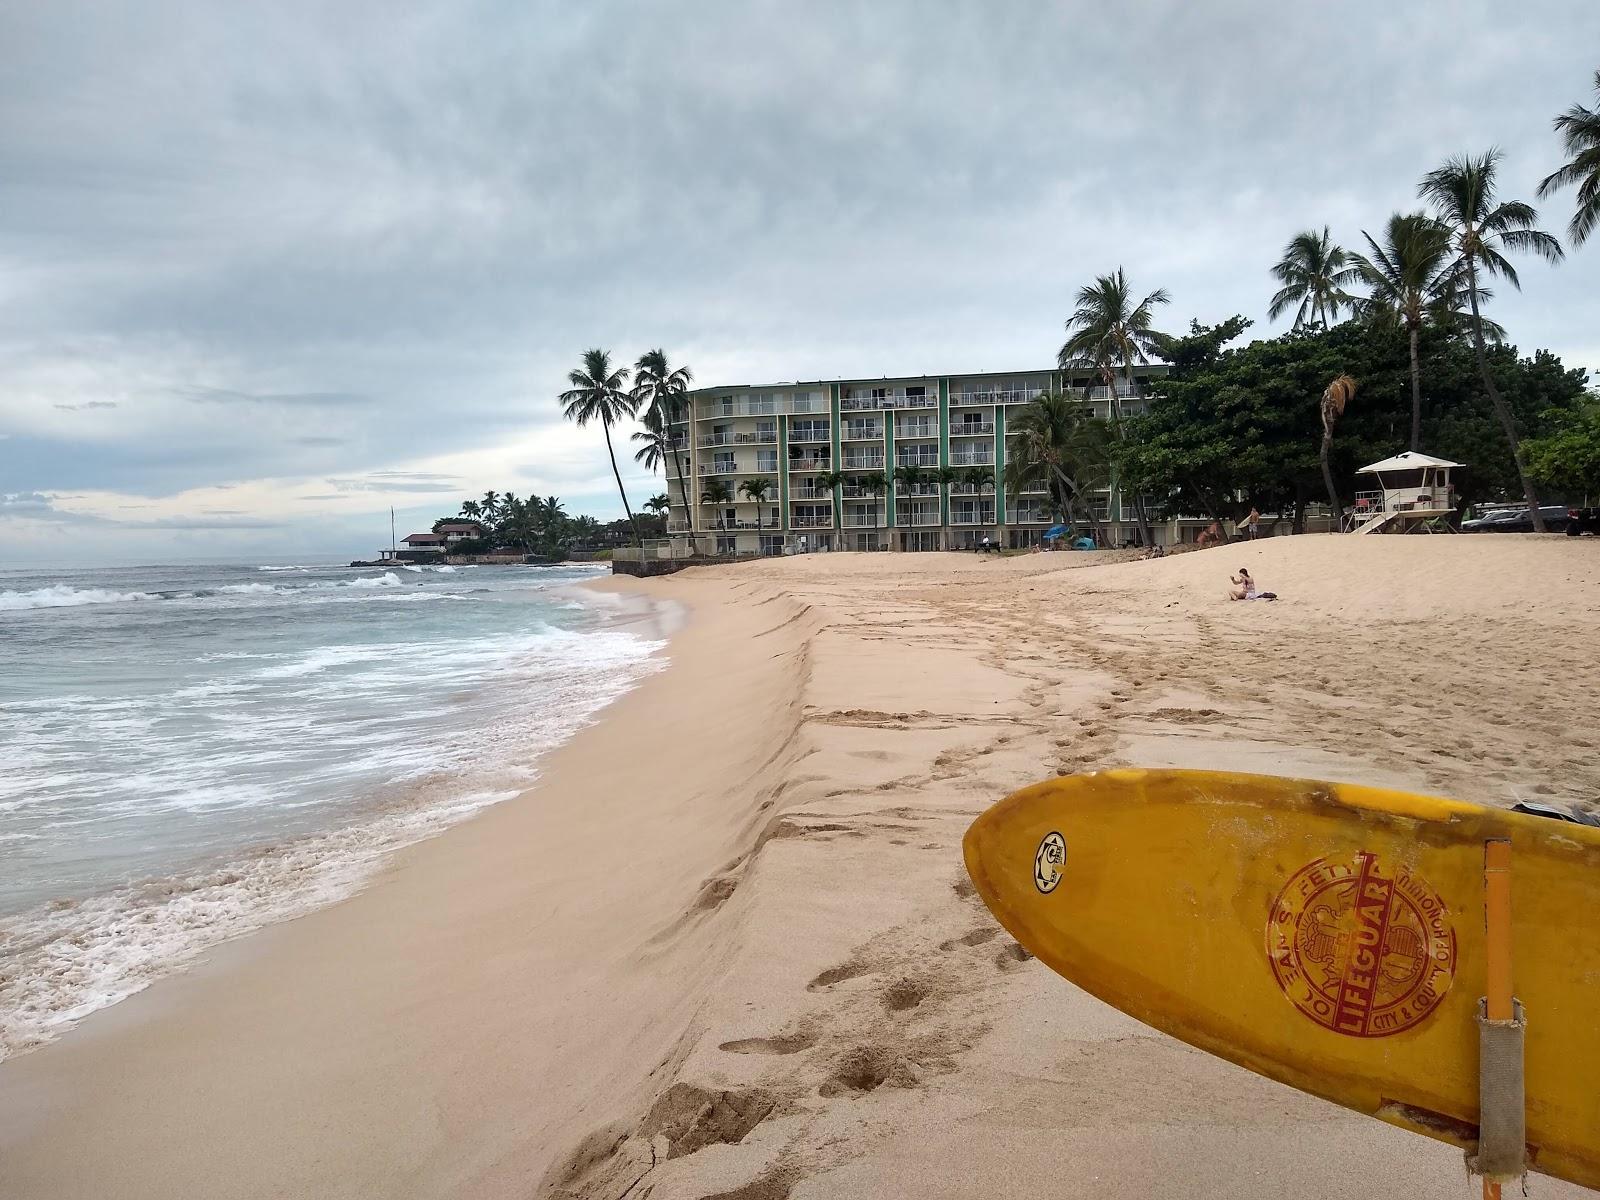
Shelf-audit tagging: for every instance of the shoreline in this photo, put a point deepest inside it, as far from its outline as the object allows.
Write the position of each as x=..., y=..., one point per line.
x=726, y=947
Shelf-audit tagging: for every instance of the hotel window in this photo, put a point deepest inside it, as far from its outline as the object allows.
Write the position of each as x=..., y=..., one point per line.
x=727, y=545
x=766, y=460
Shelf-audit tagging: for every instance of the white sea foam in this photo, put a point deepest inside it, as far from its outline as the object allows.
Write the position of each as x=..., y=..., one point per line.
x=62, y=961
x=62, y=596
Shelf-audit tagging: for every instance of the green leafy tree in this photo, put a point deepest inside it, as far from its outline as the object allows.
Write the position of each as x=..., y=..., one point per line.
x=1482, y=229
x=1411, y=281
x=658, y=505
x=1568, y=457
x=716, y=491
x=1314, y=272
x=598, y=394
x=831, y=480
x=1109, y=331
x=663, y=394
x=1580, y=130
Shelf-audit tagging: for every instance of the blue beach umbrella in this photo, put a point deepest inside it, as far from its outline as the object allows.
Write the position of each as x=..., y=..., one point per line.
x=1055, y=531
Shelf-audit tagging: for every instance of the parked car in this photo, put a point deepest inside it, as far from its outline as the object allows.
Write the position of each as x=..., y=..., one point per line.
x=1583, y=520
x=1517, y=520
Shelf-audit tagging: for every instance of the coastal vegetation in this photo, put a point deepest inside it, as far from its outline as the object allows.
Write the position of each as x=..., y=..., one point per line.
x=536, y=525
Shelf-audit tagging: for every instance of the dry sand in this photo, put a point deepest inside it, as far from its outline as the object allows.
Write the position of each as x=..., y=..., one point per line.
x=726, y=947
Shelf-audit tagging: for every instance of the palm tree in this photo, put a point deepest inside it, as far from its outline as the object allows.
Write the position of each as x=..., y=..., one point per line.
x=716, y=491
x=831, y=480
x=1580, y=129
x=662, y=392
x=655, y=450
x=756, y=489
x=911, y=476
x=1412, y=281
x=1335, y=396
x=978, y=478
x=597, y=395
x=1109, y=331
x=1462, y=194
x=659, y=504
x=1314, y=273
x=470, y=509
x=491, y=506
x=1054, y=444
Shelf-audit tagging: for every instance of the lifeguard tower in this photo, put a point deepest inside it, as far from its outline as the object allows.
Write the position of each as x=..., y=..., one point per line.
x=1414, y=496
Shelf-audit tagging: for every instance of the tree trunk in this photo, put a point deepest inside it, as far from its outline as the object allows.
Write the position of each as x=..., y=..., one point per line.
x=1501, y=408
x=638, y=539
x=1145, y=530
x=1416, y=394
x=683, y=487
x=1327, y=478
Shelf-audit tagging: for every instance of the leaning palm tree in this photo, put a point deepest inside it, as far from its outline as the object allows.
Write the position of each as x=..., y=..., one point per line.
x=1314, y=273
x=1051, y=443
x=1462, y=194
x=597, y=394
x=1108, y=330
x=655, y=449
x=1411, y=281
x=662, y=393
x=756, y=490
x=1339, y=392
x=1580, y=129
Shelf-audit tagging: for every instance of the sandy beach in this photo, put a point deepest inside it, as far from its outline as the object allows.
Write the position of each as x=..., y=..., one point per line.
x=726, y=947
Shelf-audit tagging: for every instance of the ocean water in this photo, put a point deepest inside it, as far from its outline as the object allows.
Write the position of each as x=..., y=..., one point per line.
x=193, y=752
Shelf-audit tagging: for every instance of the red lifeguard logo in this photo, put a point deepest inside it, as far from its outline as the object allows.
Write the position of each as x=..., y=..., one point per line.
x=1361, y=952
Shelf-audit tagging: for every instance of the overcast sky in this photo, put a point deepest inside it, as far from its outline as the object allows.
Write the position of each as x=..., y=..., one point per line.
x=268, y=268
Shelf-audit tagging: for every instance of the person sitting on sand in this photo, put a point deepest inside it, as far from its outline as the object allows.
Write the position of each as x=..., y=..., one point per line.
x=1244, y=588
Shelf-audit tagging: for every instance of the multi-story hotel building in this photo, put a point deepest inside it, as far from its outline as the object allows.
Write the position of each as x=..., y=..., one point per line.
x=795, y=436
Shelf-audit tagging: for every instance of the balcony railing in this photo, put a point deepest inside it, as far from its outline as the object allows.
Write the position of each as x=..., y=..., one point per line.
x=972, y=429
x=915, y=489
x=916, y=429
x=999, y=396
x=856, y=521
x=973, y=458
x=916, y=518
x=857, y=432
x=972, y=489
x=810, y=493
x=881, y=403
x=760, y=437
x=719, y=468
x=863, y=462
x=925, y=461
x=810, y=464
x=1101, y=392
x=856, y=492
x=979, y=516
x=810, y=434
x=1030, y=516
x=811, y=522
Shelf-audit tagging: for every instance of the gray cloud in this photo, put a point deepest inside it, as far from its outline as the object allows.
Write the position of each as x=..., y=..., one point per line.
x=382, y=240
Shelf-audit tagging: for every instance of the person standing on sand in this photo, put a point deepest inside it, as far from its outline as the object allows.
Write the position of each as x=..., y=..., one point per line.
x=1253, y=521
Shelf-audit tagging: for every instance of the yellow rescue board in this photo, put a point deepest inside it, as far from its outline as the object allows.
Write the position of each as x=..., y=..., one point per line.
x=1325, y=935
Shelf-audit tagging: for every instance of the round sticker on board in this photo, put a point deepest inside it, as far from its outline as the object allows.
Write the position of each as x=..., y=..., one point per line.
x=1360, y=951
x=1049, y=862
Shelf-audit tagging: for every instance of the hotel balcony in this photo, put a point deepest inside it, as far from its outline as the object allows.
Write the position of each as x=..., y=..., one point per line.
x=810, y=522
x=972, y=458
x=760, y=437
x=863, y=462
x=916, y=517
x=971, y=489
x=972, y=429
x=856, y=492
x=901, y=488
x=863, y=431
x=857, y=521
x=916, y=429
x=719, y=468
x=811, y=435
x=887, y=402
x=810, y=492
x=925, y=461
x=810, y=464
x=1013, y=396
x=1029, y=515
x=972, y=516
